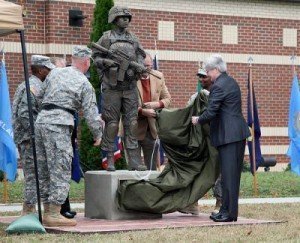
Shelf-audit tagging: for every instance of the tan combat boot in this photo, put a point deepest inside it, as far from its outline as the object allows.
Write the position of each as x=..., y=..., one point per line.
x=191, y=209
x=53, y=218
x=28, y=209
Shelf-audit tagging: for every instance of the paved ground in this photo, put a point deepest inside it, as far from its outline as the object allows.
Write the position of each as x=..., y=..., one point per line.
x=172, y=220
x=18, y=206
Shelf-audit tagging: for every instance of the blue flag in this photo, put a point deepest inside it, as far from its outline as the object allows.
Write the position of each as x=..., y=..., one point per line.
x=251, y=105
x=294, y=127
x=76, y=168
x=8, y=156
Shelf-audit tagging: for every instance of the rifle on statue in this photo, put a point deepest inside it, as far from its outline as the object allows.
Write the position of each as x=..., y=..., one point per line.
x=123, y=62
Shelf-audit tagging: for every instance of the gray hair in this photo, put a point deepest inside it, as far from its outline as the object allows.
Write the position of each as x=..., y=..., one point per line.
x=215, y=61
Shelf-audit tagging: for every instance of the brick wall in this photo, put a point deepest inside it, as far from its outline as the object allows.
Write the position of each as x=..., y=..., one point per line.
x=202, y=32
x=195, y=31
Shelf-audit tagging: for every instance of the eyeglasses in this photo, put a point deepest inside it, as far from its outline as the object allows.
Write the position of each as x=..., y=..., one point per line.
x=202, y=76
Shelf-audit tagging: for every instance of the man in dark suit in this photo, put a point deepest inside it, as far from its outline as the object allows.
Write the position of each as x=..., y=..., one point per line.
x=228, y=131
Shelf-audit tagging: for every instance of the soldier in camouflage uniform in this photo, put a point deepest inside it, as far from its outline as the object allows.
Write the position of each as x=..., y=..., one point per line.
x=66, y=90
x=40, y=67
x=120, y=96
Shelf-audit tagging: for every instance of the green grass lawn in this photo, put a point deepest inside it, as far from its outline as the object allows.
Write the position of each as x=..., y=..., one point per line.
x=270, y=184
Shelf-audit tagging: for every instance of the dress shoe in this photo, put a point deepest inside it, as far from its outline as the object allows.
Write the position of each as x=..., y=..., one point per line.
x=216, y=213
x=68, y=215
x=73, y=212
x=223, y=218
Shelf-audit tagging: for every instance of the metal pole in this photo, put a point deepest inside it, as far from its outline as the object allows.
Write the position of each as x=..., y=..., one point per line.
x=252, y=130
x=27, y=85
x=5, y=193
x=293, y=59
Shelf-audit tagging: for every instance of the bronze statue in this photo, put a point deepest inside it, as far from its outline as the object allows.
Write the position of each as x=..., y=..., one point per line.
x=119, y=57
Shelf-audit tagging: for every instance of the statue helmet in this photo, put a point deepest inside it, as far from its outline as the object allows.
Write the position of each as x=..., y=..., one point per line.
x=117, y=11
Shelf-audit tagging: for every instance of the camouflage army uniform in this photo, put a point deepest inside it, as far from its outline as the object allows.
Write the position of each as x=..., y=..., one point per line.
x=21, y=128
x=66, y=90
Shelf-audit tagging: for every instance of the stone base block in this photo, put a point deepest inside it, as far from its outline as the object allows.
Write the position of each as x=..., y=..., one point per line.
x=100, y=194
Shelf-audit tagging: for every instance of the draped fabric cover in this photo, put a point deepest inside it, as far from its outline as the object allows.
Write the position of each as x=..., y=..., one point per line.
x=192, y=167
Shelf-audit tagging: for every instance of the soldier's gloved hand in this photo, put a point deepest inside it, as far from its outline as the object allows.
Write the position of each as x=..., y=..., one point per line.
x=98, y=62
x=141, y=70
x=109, y=63
x=97, y=142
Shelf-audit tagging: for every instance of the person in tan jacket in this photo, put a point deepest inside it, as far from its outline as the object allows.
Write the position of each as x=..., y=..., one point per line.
x=153, y=95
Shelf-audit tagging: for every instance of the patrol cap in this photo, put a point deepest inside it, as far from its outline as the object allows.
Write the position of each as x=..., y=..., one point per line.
x=40, y=60
x=79, y=51
x=201, y=72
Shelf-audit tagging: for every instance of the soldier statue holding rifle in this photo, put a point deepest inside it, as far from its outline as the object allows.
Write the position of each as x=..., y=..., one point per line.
x=119, y=57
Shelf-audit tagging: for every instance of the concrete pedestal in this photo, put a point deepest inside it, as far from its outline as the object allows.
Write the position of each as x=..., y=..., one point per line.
x=100, y=194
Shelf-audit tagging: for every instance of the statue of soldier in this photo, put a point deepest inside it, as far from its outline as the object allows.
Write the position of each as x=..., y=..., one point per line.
x=119, y=93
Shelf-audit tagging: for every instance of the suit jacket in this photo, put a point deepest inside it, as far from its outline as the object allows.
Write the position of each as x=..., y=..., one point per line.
x=224, y=112
x=159, y=92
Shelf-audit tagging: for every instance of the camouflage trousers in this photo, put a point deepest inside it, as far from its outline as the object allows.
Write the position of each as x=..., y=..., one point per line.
x=115, y=103
x=26, y=158
x=54, y=153
x=217, y=188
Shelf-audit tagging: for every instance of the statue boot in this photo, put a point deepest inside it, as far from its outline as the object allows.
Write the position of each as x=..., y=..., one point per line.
x=28, y=208
x=110, y=162
x=53, y=218
x=134, y=160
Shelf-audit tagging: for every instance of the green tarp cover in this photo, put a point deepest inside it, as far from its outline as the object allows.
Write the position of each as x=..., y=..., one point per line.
x=192, y=167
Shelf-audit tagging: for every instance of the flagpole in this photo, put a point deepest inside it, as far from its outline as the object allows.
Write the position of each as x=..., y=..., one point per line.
x=5, y=194
x=293, y=58
x=252, y=129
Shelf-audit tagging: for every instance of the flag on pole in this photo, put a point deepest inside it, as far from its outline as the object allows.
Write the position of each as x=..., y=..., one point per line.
x=253, y=119
x=294, y=127
x=8, y=151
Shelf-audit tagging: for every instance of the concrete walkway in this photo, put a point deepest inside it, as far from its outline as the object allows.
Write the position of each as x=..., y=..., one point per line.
x=18, y=207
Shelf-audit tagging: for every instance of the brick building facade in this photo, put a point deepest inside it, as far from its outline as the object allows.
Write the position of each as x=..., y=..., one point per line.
x=186, y=32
